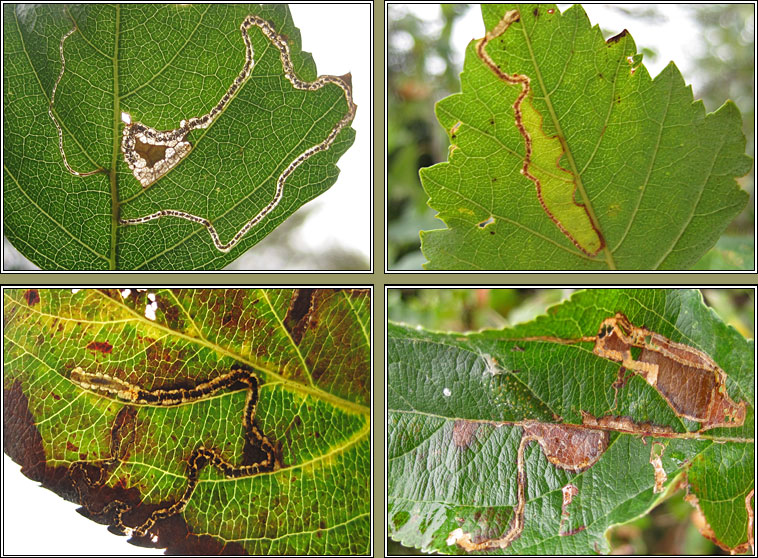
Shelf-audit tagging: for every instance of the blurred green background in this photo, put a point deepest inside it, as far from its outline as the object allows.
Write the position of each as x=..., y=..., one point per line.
x=669, y=528
x=425, y=57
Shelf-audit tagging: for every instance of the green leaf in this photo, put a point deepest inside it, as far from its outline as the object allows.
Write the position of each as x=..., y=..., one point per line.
x=309, y=350
x=161, y=64
x=460, y=406
x=566, y=154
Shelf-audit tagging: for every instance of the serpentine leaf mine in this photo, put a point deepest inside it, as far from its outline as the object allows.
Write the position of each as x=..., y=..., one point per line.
x=689, y=380
x=151, y=153
x=83, y=476
x=555, y=187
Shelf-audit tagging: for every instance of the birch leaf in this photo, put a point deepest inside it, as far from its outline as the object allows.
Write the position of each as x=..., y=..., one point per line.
x=250, y=159
x=538, y=438
x=204, y=421
x=566, y=154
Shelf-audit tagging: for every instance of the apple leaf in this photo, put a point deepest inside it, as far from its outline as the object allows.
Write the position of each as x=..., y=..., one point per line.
x=157, y=136
x=203, y=421
x=538, y=438
x=566, y=154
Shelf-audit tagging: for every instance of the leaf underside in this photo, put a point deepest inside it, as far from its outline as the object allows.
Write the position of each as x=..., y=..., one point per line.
x=460, y=407
x=626, y=172
x=161, y=64
x=309, y=349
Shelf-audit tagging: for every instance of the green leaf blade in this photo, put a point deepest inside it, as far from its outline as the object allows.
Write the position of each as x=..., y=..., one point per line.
x=161, y=65
x=453, y=440
x=321, y=432
x=651, y=171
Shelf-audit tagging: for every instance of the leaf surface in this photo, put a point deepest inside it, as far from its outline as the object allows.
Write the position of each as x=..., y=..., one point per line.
x=566, y=154
x=461, y=406
x=161, y=64
x=309, y=350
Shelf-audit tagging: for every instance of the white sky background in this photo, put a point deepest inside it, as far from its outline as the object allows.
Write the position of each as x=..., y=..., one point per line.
x=339, y=38
x=38, y=522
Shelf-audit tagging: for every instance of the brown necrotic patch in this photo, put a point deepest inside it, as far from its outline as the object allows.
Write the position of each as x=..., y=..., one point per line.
x=567, y=446
x=464, y=432
x=150, y=153
x=32, y=297
x=100, y=347
x=617, y=38
x=299, y=313
x=689, y=380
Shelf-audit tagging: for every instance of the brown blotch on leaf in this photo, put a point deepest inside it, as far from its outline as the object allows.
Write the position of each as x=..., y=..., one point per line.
x=300, y=308
x=173, y=533
x=31, y=296
x=617, y=38
x=688, y=379
x=100, y=347
x=567, y=446
x=149, y=152
x=464, y=432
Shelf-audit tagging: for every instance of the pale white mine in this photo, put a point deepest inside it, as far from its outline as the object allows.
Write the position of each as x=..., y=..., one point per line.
x=151, y=153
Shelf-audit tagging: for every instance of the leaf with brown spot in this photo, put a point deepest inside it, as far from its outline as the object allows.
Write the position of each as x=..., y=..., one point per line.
x=571, y=402
x=69, y=422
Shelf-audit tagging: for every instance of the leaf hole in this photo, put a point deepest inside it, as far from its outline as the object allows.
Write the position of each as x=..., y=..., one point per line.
x=486, y=222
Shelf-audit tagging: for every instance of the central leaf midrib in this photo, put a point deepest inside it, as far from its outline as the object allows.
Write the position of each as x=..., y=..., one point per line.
x=315, y=391
x=112, y=175
x=567, y=150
